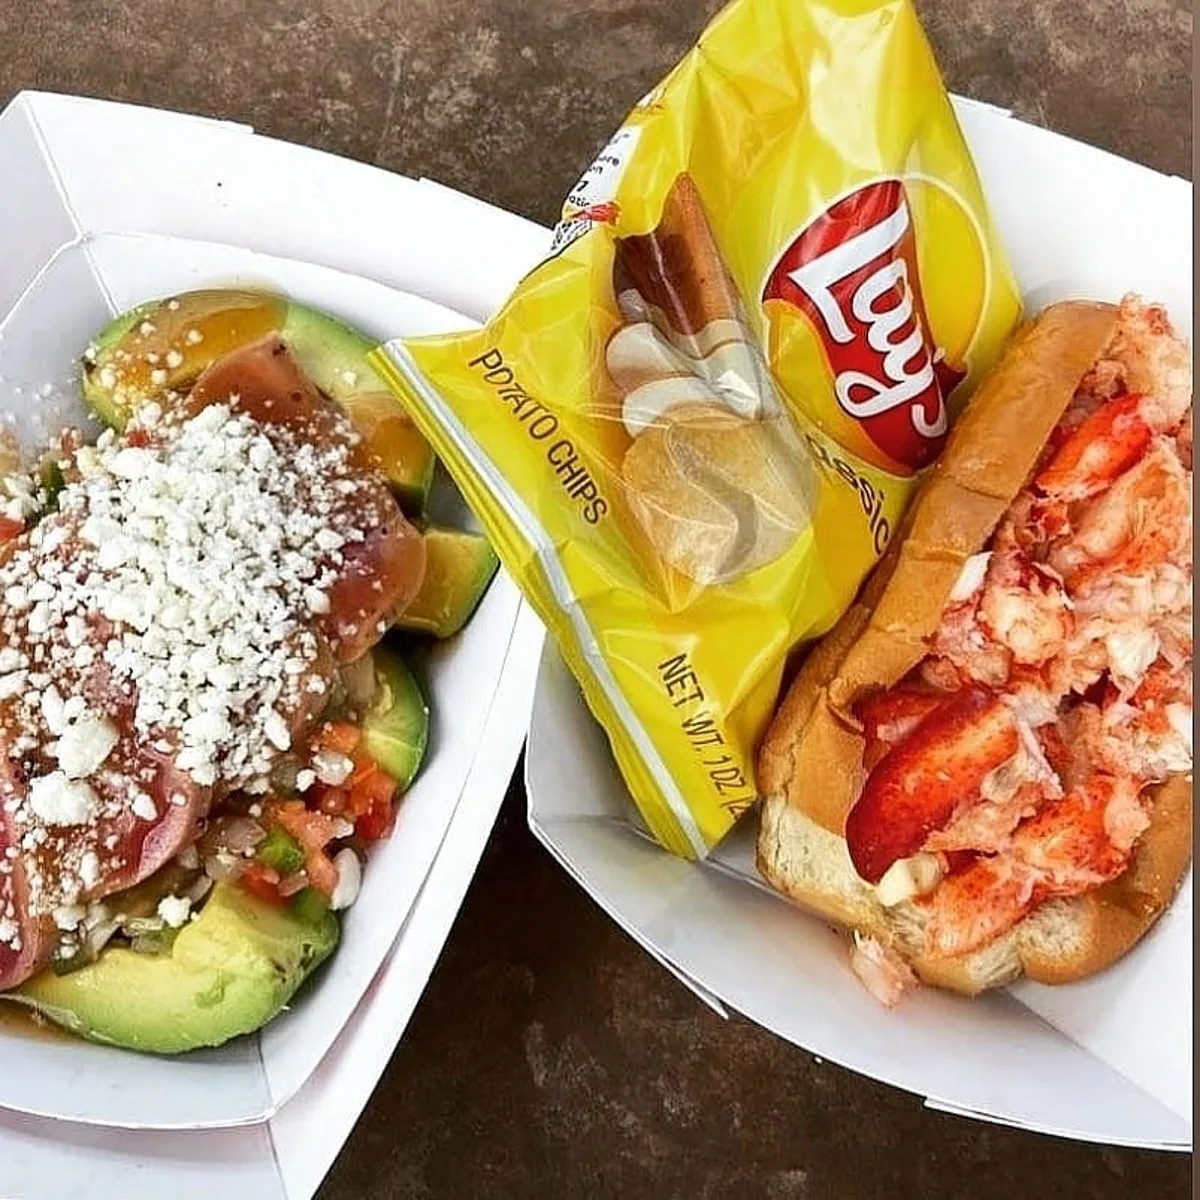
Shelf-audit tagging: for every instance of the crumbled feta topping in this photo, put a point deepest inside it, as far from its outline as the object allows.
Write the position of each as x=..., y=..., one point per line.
x=89, y=868
x=174, y=910
x=58, y=800
x=143, y=807
x=332, y=768
x=173, y=589
x=68, y=916
x=84, y=745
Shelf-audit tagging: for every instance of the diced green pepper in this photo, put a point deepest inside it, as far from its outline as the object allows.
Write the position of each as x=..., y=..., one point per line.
x=281, y=852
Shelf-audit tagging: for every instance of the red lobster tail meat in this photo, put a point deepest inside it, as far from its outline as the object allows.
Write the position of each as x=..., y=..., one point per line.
x=1106, y=445
x=889, y=717
x=917, y=786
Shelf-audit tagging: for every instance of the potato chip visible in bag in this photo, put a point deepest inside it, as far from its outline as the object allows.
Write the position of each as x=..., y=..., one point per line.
x=694, y=427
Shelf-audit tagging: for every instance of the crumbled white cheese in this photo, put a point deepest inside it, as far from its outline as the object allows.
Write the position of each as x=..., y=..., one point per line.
x=305, y=779
x=174, y=359
x=52, y=710
x=332, y=768
x=68, y=916
x=174, y=910
x=58, y=800
x=12, y=684
x=143, y=807
x=85, y=744
x=89, y=868
x=181, y=570
x=194, y=337
x=277, y=731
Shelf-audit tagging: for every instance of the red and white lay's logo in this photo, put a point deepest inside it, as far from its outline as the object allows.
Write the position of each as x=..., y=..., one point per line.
x=853, y=273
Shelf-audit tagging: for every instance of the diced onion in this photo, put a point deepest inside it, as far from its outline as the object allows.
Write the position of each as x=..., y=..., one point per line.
x=349, y=882
x=292, y=884
x=358, y=678
x=283, y=774
x=239, y=834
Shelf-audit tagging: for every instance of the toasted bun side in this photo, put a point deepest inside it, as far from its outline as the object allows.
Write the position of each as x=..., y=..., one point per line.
x=776, y=753
x=988, y=457
x=1061, y=942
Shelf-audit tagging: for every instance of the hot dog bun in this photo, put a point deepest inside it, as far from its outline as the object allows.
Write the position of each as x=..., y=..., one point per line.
x=810, y=763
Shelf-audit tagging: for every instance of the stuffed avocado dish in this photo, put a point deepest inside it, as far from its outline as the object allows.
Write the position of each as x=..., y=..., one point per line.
x=204, y=728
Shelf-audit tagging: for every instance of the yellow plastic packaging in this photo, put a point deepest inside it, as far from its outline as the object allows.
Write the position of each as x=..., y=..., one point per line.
x=694, y=427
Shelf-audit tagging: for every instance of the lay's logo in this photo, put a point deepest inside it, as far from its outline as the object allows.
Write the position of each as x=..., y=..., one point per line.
x=853, y=273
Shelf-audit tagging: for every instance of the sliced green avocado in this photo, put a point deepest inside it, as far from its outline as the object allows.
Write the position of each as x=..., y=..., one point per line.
x=458, y=568
x=396, y=726
x=228, y=973
x=163, y=346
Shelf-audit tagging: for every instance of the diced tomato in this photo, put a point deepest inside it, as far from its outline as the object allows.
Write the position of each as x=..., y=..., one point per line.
x=262, y=881
x=313, y=830
x=377, y=824
x=341, y=737
x=364, y=766
x=10, y=529
x=322, y=874
x=371, y=790
x=371, y=805
x=331, y=800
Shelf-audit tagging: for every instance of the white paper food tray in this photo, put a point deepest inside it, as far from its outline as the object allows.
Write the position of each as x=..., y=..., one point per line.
x=286, y=1157
x=106, y=205
x=1109, y=1060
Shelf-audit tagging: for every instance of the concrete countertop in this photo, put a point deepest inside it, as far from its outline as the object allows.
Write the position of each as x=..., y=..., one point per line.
x=550, y=1057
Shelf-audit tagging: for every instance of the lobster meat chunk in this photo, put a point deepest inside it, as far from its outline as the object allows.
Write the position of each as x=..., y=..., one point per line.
x=919, y=784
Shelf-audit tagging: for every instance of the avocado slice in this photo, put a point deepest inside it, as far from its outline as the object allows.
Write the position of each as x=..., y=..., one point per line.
x=164, y=345
x=396, y=726
x=458, y=568
x=229, y=972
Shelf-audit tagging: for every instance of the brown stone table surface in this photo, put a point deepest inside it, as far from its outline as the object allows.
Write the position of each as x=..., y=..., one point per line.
x=549, y=1057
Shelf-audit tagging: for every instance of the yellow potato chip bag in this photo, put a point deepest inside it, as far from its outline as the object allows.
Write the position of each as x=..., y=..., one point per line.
x=693, y=428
